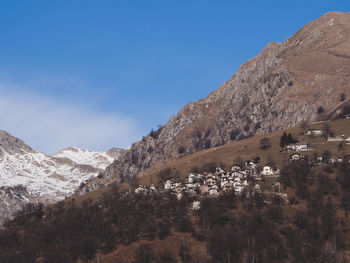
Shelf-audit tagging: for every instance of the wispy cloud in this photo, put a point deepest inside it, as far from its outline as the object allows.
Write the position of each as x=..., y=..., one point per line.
x=49, y=124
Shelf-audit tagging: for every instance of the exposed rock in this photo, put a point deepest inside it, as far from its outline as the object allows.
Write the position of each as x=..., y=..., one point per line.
x=13, y=199
x=282, y=86
x=12, y=145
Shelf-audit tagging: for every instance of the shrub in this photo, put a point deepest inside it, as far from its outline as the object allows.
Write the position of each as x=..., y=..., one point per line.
x=320, y=110
x=265, y=143
x=150, y=149
x=346, y=109
x=287, y=139
x=207, y=133
x=342, y=97
x=207, y=143
x=197, y=133
x=328, y=131
x=257, y=126
x=134, y=158
x=181, y=149
x=155, y=134
x=88, y=248
x=234, y=134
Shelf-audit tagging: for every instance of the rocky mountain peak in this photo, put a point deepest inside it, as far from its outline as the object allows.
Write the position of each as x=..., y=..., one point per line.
x=12, y=145
x=115, y=152
x=282, y=86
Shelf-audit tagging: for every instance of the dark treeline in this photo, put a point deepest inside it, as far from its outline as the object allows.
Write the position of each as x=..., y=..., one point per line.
x=311, y=227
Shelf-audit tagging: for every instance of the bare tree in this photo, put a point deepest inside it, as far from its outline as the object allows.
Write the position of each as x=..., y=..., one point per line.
x=265, y=143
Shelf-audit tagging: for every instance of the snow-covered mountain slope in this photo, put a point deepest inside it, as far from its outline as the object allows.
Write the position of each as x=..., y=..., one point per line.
x=96, y=159
x=43, y=177
x=46, y=177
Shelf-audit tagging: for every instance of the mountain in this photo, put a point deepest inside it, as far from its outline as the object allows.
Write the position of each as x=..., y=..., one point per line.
x=29, y=176
x=98, y=160
x=292, y=214
x=302, y=78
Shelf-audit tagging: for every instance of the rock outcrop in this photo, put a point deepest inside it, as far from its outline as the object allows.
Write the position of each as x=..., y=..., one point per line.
x=13, y=199
x=282, y=86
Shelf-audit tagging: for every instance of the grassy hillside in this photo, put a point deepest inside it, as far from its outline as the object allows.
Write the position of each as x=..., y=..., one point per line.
x=248, y=149
x=115, y=225
x=244, y=149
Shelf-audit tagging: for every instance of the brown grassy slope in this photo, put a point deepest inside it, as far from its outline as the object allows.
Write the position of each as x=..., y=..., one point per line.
x=250, y=148
x=246, y=149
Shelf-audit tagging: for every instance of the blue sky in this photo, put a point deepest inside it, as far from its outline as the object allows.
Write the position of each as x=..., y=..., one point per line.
x=100, y=74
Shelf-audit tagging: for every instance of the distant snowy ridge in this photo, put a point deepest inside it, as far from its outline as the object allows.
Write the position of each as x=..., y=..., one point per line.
x=42, y=177
x=98, y=160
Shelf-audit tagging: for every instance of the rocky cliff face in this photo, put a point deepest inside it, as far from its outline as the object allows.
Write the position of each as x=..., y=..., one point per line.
x=27, y=176
x=282, y=86
x=12, y=145
x=13, y=199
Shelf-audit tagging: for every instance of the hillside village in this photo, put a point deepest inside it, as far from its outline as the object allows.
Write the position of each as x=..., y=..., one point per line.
x=241, y=178
x=318, y=136
x=213, y=184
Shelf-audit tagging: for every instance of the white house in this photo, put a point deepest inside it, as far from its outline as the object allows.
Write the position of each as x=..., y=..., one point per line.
x=191, y=178
x=223, y=181
x=218, y=170
x=196, y=205
x=335, y=139
x=267, y=170
x=236, y=168
x=153, y=189
x=257, y=188
x=296, y=157
x=336, y=160
x=315, y=132
x=297, y=147
x=141, y=190
x=237, y=174
x=168, y=184
x=210, y=182
x=213, y=191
